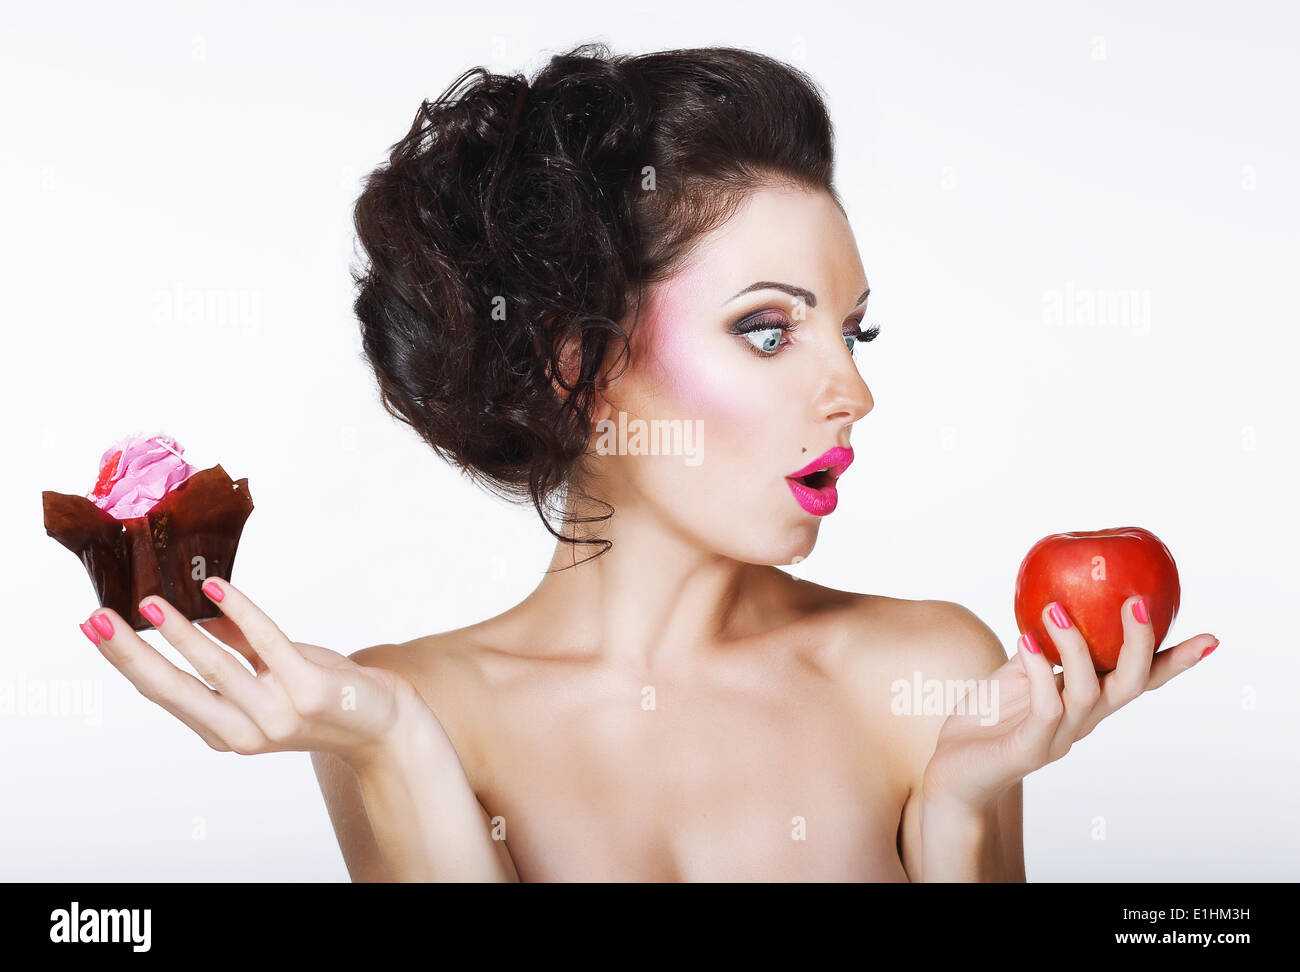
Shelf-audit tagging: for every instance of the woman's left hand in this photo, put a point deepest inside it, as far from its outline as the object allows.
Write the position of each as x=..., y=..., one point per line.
x=1039, y=715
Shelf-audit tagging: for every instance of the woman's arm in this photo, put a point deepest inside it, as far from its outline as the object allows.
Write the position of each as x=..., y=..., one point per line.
x=941, y=840
x=408, y=812
x=347, y=809
x=958, y=844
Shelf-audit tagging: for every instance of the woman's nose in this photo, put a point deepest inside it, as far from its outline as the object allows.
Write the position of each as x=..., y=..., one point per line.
x=846, y=397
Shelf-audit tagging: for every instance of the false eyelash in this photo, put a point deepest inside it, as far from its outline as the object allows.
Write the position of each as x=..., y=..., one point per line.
x=859, y=335
x=763, y=324
x=870, y=334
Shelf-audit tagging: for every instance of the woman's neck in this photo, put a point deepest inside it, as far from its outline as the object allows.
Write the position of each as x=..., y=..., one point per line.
x=655, y=601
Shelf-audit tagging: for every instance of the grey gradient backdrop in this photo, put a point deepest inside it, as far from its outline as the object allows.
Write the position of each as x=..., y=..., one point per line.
x=1079, y=223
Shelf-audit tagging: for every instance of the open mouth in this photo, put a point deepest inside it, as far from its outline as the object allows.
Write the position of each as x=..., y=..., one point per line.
x=813, y=486
x=816, y=480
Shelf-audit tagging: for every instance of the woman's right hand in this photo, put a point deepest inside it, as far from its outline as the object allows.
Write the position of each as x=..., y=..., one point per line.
x=298, y=697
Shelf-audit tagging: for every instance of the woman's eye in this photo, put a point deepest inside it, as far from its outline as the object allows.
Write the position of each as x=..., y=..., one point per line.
x=849, y=342
x=766, y=340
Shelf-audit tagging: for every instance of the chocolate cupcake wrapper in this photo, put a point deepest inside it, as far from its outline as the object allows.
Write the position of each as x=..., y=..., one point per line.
x=190, y=535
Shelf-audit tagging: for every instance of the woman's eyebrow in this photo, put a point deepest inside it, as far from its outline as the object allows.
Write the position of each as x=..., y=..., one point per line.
x=807, y=296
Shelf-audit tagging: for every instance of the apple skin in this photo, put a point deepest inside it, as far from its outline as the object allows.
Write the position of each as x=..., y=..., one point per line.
x=1090, y=574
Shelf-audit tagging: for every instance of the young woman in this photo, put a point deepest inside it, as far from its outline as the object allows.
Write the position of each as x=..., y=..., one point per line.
x=555, y=267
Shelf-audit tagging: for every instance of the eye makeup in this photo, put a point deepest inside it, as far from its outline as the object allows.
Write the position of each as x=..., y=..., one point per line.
x=759, y=323
x=769, y=321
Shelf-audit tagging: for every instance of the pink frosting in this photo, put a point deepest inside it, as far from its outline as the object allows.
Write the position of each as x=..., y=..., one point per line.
x=136, y=472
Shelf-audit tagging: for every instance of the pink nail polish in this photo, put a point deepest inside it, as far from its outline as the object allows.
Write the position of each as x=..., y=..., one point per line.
x=153, y=613
x=89, y=632
x=1058, y=617
x=1140, y=611
x=1028, y=639
x=1209, y=649
x=102, y=625
x=213, y=591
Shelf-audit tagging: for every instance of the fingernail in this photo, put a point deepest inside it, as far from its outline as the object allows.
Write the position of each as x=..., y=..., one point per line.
x=1028, y=639
x=89, y=632
x=102, y=625
x=1140, y=611
x=213, y=590
x=1058, y=617
x=1208, y=650
x=153, y=613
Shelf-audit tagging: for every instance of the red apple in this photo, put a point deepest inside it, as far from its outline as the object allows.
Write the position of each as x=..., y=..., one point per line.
x=1090, y=575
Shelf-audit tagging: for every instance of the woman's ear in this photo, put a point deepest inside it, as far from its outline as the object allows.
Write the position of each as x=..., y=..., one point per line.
x=570, y=360
x=601, y=407
x=569, y=356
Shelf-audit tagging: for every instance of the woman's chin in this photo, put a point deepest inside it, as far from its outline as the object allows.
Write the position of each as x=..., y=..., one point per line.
x=779, y=552
x=795, y=547
x=796, y=558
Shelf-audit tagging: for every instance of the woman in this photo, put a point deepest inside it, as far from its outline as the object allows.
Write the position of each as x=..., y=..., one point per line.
x=629, y=286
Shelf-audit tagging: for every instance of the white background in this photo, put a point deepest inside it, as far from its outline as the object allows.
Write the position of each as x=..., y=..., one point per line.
x=177, y=182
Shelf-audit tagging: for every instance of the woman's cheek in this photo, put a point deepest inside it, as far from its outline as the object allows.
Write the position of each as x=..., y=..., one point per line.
x=701, y=373
x=699, y=376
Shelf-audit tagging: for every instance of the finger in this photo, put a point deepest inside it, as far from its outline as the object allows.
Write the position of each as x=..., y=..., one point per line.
x=1081, y=687
x=1045, y=706
x=267, y=641
x=325, y=657
x=217, y=667
x=216, y=720
x=1129, y=679
x=1176, y=660
x=228, y=633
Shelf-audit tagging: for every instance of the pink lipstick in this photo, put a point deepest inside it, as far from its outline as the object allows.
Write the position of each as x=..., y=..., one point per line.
x=814, y=485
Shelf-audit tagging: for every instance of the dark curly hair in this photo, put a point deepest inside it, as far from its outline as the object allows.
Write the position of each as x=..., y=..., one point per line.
x=513, y=228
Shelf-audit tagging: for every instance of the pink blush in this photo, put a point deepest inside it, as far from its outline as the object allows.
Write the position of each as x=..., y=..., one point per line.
x=688, y=366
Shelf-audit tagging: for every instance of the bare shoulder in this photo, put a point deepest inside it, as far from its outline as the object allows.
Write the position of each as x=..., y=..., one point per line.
x=927, y=651
x=943, y=637
x=883, y=650
x=444, y=670
x=436, y=659
x=954, y=640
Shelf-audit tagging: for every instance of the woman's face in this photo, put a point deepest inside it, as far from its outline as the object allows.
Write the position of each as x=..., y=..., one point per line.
x=740, y=413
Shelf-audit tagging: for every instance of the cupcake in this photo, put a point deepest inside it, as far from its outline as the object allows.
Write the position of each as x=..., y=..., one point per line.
x=152, y=524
